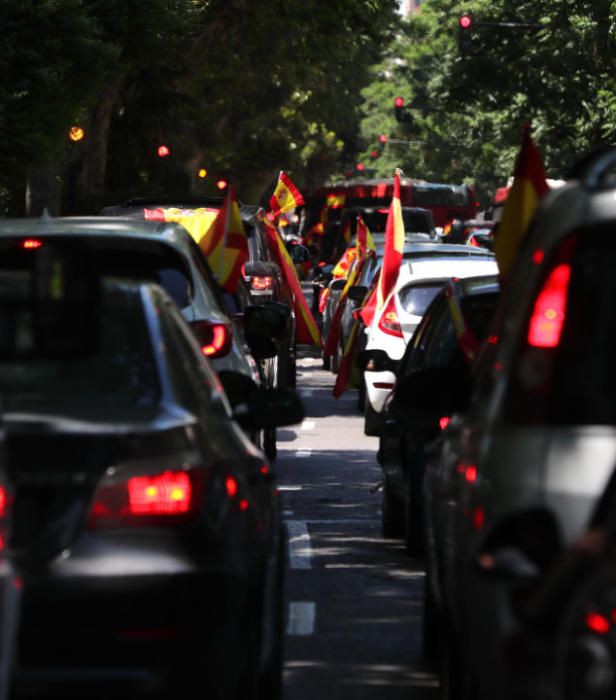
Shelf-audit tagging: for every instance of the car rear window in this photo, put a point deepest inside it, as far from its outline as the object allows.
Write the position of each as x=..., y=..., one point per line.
x=119, y=373
x=440, y=195
x=415, y=298
x=116, y=257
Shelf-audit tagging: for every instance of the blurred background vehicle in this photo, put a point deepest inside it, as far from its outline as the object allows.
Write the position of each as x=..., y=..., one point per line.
x=421, y=277
x=453, y=324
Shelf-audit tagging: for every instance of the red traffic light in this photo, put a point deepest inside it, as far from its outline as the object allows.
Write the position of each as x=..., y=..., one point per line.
x=163, y=151
x=360, y=166
x=465, y=21
x=383, y=138
x=374, y=154
x=399, y=102
x=221, y=184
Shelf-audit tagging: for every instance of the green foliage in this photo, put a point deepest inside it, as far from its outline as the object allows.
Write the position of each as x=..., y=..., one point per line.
x=241, y=87
x=470, y=106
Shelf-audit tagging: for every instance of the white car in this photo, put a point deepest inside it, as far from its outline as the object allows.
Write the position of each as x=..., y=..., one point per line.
x=418, y=282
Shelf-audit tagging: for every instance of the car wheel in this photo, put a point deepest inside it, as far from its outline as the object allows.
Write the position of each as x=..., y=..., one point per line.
x=392, y=514
x=361, y=395
x=430, y=623
x=335, y=362
x=413, y=536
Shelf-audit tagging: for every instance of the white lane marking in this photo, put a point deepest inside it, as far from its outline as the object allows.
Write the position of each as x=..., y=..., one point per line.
x=300, y=551
x=306, y=393
x=290, y=487
x=301, y=619
x=303, y=453
x=308, y=425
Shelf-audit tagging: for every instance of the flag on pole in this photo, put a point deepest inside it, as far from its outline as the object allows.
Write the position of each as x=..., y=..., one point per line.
x=529, y=186
x=392, y=256
x=286, y=195
x=306, y=329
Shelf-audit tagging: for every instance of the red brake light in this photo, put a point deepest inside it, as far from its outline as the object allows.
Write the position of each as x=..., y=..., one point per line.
x=261, y=283
x=165, y=494
x=444, y=422
x=388, y=322
x=470, y=473
x=3, y=501
x=597, y=623
x=31, y=244
x=548, y=316
x=215, y=339
x=142, y=499
x=231, y=486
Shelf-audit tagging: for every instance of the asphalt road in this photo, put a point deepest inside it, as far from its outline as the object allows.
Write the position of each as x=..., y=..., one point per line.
x=354, y=600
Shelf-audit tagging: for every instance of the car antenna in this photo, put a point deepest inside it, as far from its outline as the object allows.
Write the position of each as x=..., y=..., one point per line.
x=46, y=217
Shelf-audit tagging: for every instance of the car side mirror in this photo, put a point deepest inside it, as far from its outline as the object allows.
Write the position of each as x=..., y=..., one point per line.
x=357, y=293
x=376, y=361
x=422, y=398
x=256, y=408
x=338, y=285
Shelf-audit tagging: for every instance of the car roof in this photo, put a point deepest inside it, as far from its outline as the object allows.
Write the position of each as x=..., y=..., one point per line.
x=134, y=207
x=446, y=267
x=168, y=232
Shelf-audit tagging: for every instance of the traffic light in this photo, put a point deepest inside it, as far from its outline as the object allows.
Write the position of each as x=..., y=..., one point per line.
x=383, y=138
x=402, y=113
x=163, y=151
x=465, y=27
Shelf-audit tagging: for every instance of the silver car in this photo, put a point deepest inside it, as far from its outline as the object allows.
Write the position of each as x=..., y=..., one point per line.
x=520, y=469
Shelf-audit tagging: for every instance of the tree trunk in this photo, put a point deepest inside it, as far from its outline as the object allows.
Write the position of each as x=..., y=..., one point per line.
x=44, y=190
x=97, y=141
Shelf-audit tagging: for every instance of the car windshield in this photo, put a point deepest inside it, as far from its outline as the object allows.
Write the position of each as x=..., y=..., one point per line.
x=440, y=195
x=120, y=372
x=415, y=298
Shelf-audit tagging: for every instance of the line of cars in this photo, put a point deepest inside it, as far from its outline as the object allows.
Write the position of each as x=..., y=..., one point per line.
x=499, y=451
x=140, y=527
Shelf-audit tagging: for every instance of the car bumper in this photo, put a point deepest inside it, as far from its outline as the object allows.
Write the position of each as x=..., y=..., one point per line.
x=111, y=614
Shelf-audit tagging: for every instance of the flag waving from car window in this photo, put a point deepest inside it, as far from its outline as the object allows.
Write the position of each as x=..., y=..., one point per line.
x=286, y=195
x=529, y=186
x=392, y=256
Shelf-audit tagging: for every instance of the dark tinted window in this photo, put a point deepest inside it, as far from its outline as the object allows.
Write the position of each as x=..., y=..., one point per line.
x=120, y=373
x=440, y=195
x=583, y=384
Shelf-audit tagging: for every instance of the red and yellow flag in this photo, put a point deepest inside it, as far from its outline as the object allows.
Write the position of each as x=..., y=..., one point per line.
x=286, y=195
x=364, y=240
x=306, y=330
x=392, y=256
x=529, y=186
x=346, y=376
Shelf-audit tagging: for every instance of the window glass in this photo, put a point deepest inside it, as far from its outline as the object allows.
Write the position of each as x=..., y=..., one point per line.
x=416, y=298
x=120, y=373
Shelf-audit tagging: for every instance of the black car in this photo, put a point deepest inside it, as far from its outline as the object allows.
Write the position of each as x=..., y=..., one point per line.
x=146, y=528
x=404, y=439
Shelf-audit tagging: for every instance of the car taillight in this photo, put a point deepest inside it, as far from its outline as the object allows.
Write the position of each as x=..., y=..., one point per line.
x=444, y=422
x=6, y=500
x=168, y=497
x=388, y=322
x=261, y=284
x=550, y=308
x=215, y=339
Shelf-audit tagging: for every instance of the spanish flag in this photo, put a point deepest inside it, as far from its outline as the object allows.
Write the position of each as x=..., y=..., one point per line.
x=364, y=240
x=347, y=372
x=286, y=195
x=529, y=186
x=306, y=330
x=220, y=235
x=392, y=256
